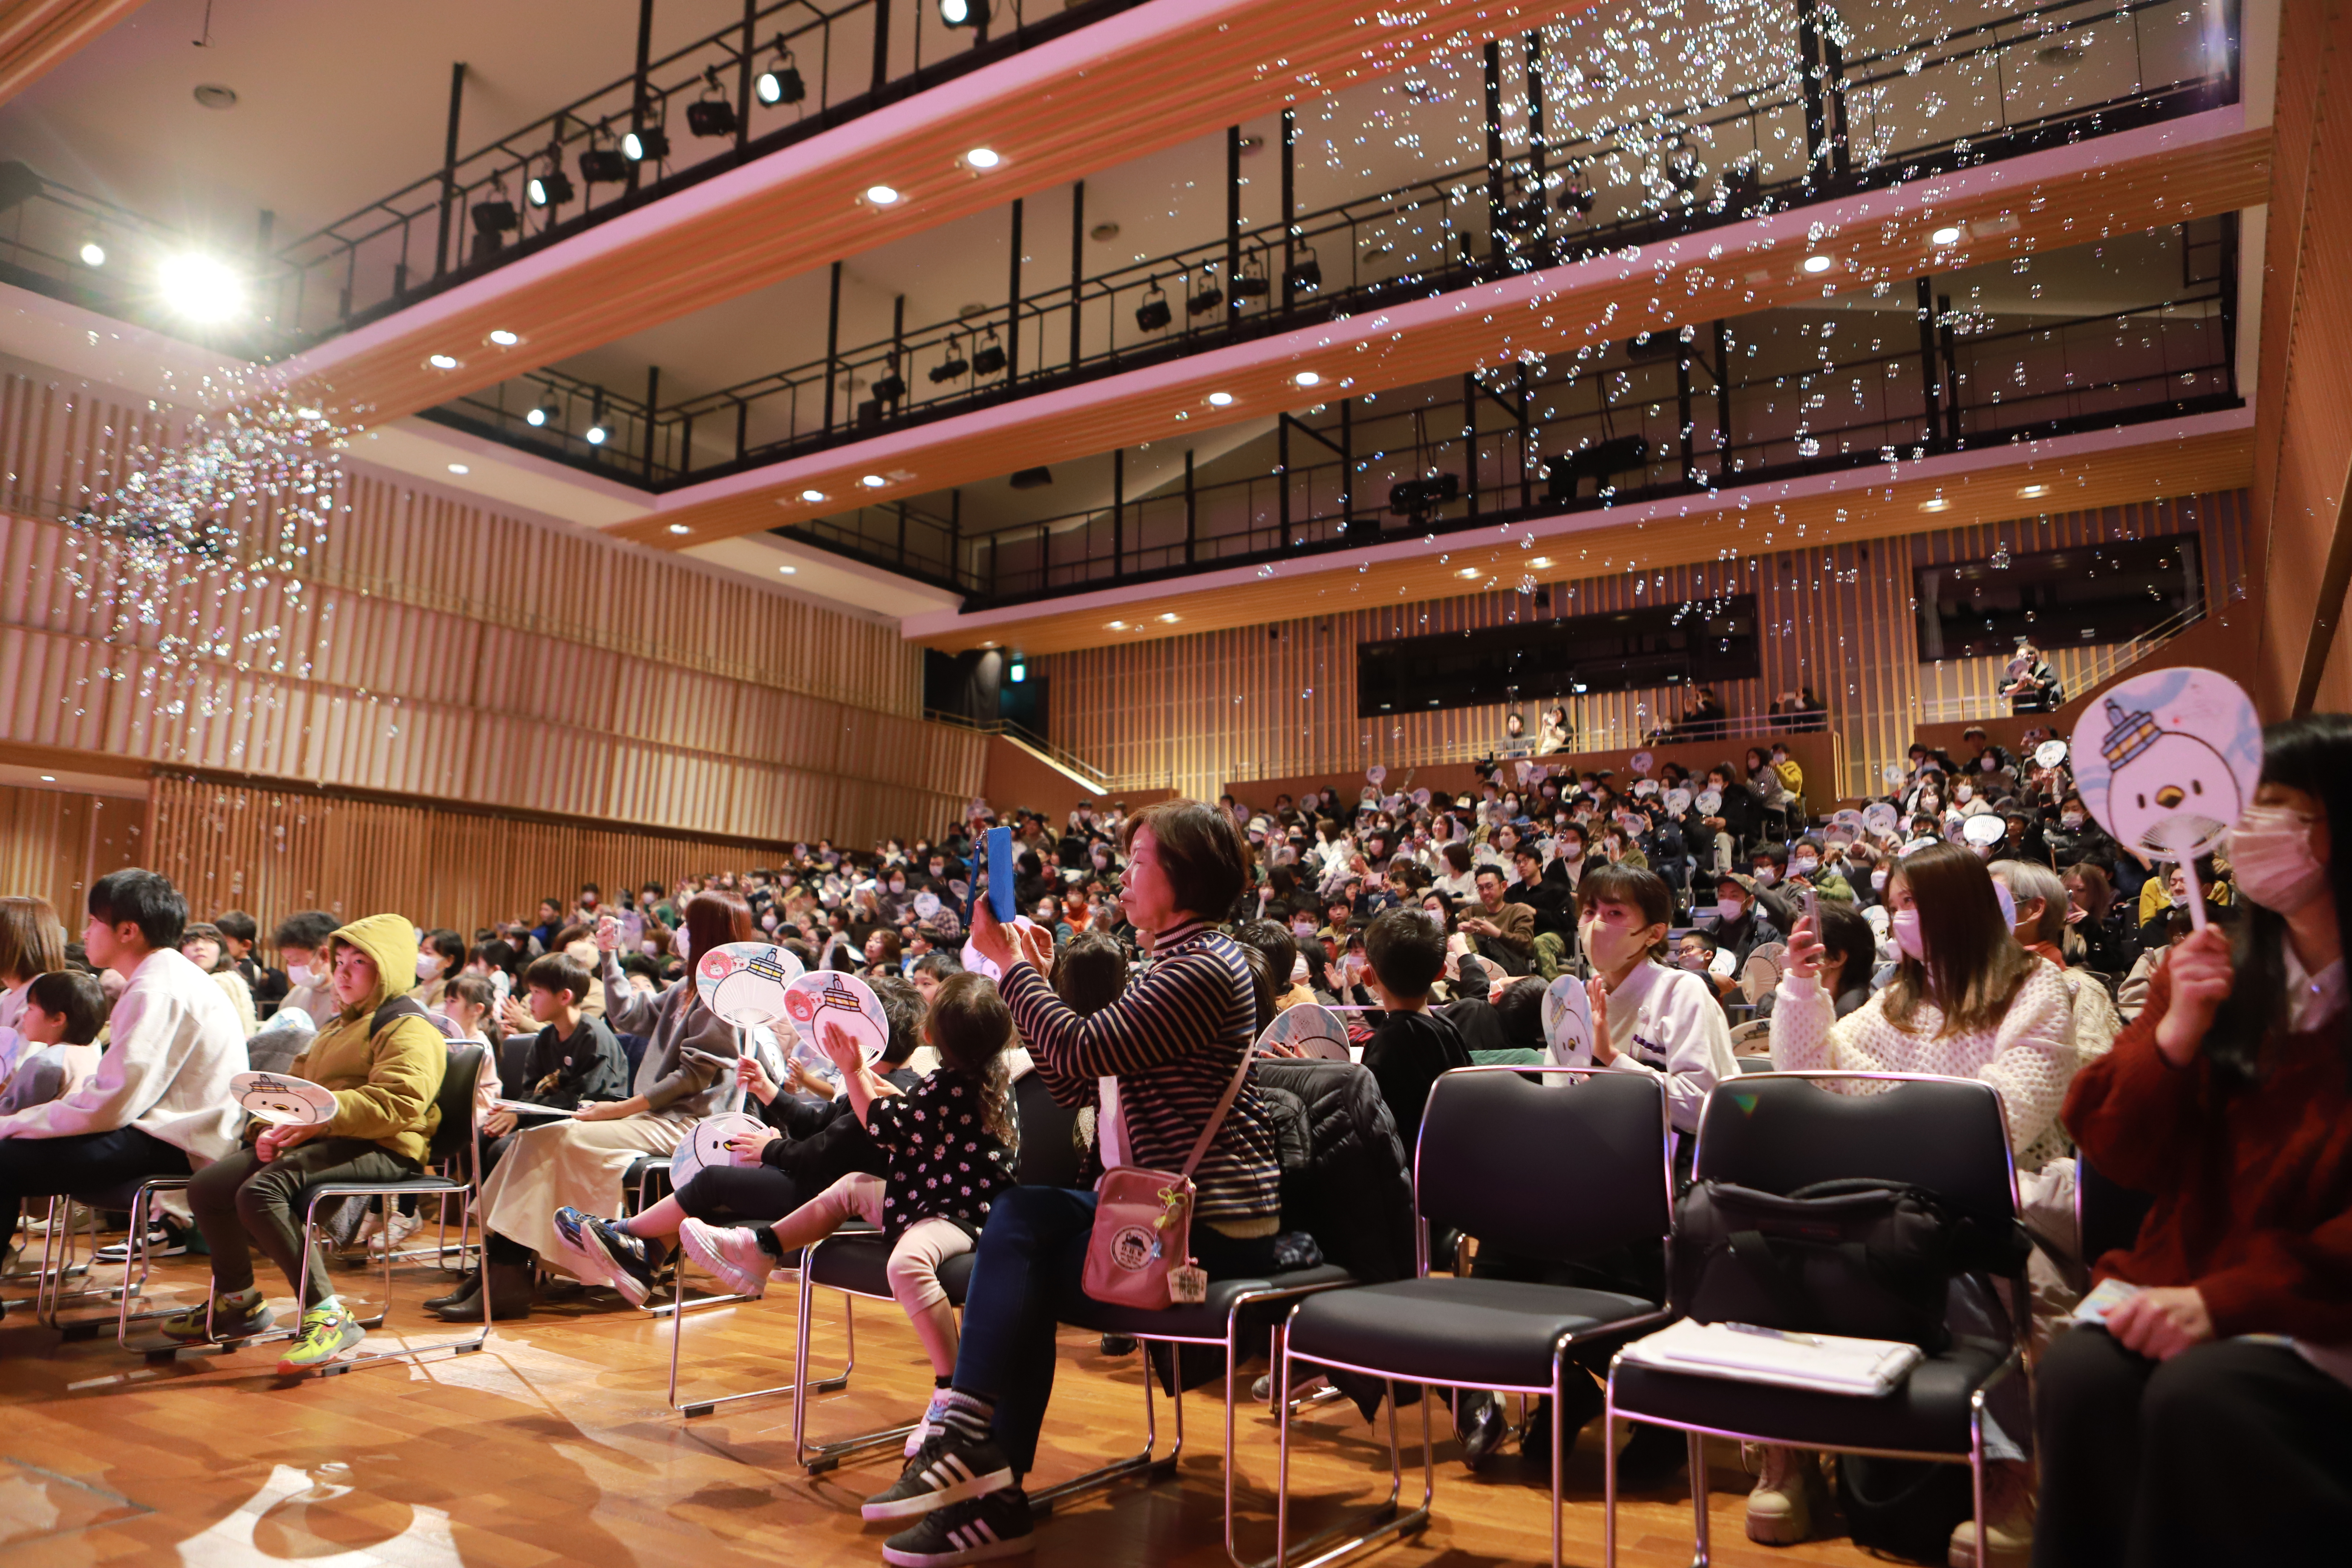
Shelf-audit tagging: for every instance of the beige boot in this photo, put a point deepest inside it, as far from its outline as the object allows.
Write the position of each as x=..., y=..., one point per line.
x=1790, y=1490
x=2009, y=1520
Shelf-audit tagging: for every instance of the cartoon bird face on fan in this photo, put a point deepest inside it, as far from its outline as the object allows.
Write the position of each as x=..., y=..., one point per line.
x=2177, y=793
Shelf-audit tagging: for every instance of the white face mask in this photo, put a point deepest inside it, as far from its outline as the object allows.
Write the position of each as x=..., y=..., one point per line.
x=428, y=965
x=1904, y=925
x=897, y=884
x=1987, y=763
x=1303, y=930
x=1695, y=962
x=650, y=949
x=2007, y=903
x=1878, y=879
x=1965, y=792
x=1729, y=909
x=2270, y=853
x=301, y=975
x=2072, y=821
x=679, y=946
x=1804, y=866
x=1767, y=875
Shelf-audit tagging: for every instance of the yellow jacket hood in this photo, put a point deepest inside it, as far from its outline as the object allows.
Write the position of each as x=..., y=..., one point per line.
x=390, y=942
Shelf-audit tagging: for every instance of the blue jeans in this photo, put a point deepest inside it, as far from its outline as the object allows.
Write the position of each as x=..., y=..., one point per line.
x=1025, y=1281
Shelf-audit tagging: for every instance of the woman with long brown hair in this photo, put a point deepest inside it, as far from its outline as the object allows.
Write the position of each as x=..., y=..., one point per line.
x=1966, y=1001
x=32, y=942
x=686, y=1074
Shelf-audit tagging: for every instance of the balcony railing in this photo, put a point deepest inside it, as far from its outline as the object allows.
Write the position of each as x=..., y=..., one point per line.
x=2053, y=75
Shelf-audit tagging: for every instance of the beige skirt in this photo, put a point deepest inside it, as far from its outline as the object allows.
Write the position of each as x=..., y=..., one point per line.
x=574, y=1163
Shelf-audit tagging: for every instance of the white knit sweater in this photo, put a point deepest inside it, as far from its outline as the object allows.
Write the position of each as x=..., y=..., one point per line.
x=2029, y=1058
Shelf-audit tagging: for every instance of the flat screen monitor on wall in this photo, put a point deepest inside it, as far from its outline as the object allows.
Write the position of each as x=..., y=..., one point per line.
x=1537, y=661
x=2078, y=597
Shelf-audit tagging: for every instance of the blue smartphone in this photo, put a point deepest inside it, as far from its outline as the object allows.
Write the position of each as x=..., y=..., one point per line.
x=1001, y=897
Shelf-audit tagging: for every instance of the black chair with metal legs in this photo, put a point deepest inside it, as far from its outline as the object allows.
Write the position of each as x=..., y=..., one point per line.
x=1562, y=1173
x=60, y=1260
x=1777, y=1132
x=455, y=1136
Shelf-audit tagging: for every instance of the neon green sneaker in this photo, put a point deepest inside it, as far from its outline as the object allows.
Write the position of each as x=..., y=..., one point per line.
x=235, y=1315
x=327, y=1333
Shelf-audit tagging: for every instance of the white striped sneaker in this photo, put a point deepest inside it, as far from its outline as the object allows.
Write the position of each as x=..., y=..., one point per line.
x=946, y=1468
x=974, y=1531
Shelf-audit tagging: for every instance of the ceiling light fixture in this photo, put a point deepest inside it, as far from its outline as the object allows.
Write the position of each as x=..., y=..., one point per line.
x=1948, y=234
x=872, y=481
x=1467, y=571
x=552, y=189
x=504, y=339
x=963, y=13
x=812, y=495
x=1540, y=562
x=595, y=436
x=93, y=254
x=201, y=287
x=1168, y=617
x=2030, y=492
x=1938, y=504
x=459, y=468
x=679, y=527
x=1220, y=399
x=780, y=82
x=984, y=158
x=545, y=414
x=649, y=146
x=789, y=570
x=49, y=778
x=1117, y=626
x=445, y=361
x=882, y=195
x=1818, y=264
x=1308, y=378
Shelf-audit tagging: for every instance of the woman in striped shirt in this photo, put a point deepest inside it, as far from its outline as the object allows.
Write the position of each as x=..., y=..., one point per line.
x=1165, y=1052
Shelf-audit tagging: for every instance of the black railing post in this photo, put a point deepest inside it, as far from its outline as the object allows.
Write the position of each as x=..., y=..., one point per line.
x=1289, y=206
x=1494, y=83
x=449, y=169
x=1012, y=305
x=1537, y=150
x=1191, y=511
x=1282, y=468
x=743, y=74
x=1077, y=266
x=881, y=45
x=1526, y=410
x=644, y=89
x=1469, y=441
x=1951, y=372
x=1117, y=511
x=832, y=344
x=742, y=430
x=1347, y=466
x=1682, y=409
x=653, y=402
x=1931, y=400
x=1723, y=399
x=1233, y=223
x=1809, y=71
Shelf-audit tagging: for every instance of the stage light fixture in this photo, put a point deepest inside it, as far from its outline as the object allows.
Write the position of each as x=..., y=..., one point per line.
x=1030, y=478
x=595, y=436
x=890, y=388
x=712, y=116
x=649, y=146
x=1016, y=672
x=93, y=254
x=780, y=82
x=496, y=215
x=1937, y=504
x=552, y=189
x=201, y=287
x=963, y=13
x=603, y=166
x=2033, y=492
x=789, y=570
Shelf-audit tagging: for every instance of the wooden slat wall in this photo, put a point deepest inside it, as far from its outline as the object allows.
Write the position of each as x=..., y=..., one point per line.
x=1279, y=700
x=54, y=843
x=272, y=852
x=452, y=653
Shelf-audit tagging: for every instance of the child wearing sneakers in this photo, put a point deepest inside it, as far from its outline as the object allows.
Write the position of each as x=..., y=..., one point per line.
x=951, y=1145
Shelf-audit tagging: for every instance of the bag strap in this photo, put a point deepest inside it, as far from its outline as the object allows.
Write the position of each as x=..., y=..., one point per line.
x=1217, y=1117
x=396, y=1008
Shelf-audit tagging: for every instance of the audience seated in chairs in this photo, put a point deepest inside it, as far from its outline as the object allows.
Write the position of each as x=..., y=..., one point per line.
x=2208, y=1420
x=808, y=1145
x=2039, y=897
x=953, y=1145
x=159, y=1103
x=1966, y=1002
x=62, y=1012
x=384, y=1061
x=688, y=1071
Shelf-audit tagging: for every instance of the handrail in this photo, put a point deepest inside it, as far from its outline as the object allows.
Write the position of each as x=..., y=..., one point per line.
x=1010, y=731
x=2108, y=659
x=1068, y=332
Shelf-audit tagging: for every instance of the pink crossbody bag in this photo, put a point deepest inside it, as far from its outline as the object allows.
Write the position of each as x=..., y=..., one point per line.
x=1141, y=1254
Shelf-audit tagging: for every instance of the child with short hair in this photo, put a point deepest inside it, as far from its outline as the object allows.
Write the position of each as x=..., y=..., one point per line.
x=63, y=1011
x=951, y=1145
x=1404, y=952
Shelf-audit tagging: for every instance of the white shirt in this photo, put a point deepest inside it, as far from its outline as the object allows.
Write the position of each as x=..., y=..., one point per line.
x=2312, y=999
x=1666, y=1021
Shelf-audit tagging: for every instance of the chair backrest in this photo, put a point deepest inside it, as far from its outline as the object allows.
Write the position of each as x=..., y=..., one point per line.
x=1779, y=1132
x=1559, y=1166
x=514, y=1065
x=2106, y=1214
x=1754, y=1030
x=1049, y=1148
x=1752, y=1064
x=467, y=1062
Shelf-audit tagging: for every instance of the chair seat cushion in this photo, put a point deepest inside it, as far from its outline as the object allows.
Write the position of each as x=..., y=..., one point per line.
x=1928, y=1413
x=856, y=1260
x=1203, y=1320
x=1478, y=1332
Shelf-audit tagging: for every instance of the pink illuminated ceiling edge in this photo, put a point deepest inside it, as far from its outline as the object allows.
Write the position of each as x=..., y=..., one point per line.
x=1184, y=381
x=1570, y=526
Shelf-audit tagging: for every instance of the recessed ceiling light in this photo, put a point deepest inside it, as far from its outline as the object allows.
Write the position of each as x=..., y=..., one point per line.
x=872, y=481
x=1938, y=504
x=2030, y=492
x=983, y=158
x=812, y=495
x=679, y=527
x=49, y=778
x=1308, y=378
x=881, y=195
x=459, y=468
x=1467, y=571
x=505, y=339
x=1540, y=561
x=1948, y=234
x=788, y=571
x=1818, y=264
x=1168, y=617
x=443, y=361
x=1118, y=626
x=1220, y=399
x=93, y=254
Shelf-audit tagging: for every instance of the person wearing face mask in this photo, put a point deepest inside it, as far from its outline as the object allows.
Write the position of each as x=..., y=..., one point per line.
x=1739, y=925
x=302, y=940
x=440, y=955
x=2100, y=920
x=2208, y=1418
x=2037, y=900
x=2078, y=839
x=2168, y=890
x=1966, y=1002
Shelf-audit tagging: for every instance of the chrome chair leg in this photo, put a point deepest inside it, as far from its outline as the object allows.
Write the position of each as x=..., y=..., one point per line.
x=1705, y=1554
x=1142, y=1462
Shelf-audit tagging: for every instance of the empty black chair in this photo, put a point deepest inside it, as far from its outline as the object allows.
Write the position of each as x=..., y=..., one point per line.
x=1777, y=1132
x=1559, y=1173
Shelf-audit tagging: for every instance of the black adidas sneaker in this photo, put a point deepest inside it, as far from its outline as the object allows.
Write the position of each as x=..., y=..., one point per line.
x=948, y=1468
x=973, y=1531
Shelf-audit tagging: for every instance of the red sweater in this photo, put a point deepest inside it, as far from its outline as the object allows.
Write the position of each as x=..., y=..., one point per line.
x=2254, y=1191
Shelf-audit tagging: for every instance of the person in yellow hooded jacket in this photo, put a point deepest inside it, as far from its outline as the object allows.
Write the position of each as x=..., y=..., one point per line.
x=384, y=1061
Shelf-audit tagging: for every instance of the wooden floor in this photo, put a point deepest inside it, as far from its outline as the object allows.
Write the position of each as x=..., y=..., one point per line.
x=554, y=1445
